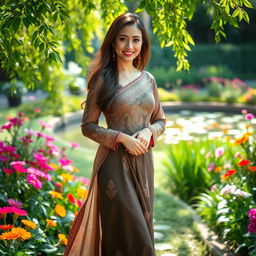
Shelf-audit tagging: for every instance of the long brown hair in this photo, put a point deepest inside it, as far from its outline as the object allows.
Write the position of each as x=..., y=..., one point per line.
x=104, y=65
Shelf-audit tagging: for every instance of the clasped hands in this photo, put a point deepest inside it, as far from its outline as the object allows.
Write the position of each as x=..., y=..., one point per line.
x=137, y=143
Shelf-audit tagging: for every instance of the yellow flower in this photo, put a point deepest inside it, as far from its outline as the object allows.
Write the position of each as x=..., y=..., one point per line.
x=60, y=210
x=63, y=238
x=54, y=166
x=56, y=194
x=29, y=224
x=51, y=223
x=82, y=192
x=75, y=169
x=21, y=233
x=66, y=177
x=241, y=139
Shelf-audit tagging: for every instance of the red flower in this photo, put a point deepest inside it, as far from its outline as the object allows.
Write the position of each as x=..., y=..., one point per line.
x=228, y=173
x=71, y=198
x=252, y=168
x=243, y=162
x=6, y=227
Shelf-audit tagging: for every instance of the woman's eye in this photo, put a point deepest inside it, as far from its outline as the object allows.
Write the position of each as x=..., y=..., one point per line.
x=121, y=38
x=136, y=40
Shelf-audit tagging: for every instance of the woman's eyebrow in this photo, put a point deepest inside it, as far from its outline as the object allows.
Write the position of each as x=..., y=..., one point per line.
x=127, y=36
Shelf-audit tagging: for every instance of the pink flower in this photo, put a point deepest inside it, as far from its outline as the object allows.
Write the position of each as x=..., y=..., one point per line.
x=252, y=227
x=30, y=132
x=19, y=168
x=15, y=203
x=13, y=209
x=17, y=162
x=249, y=116
x=39, y=173
x=34, y=181
x=241, y=193
x=39, y=157
x=64, y=161
x=43, y=124
x=211, y=167
x=213, y=187
x=48, y=138
x=237, y=155
x=208, y=154
x=227, y=190
x=84, y=180
x=74, y=145
x=252, y=214
x=219, y=152
x=79, y=202
x=40, y=135
x=37, y=110
x=244, y=111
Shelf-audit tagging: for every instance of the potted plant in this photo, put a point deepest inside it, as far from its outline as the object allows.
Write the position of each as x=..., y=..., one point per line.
x=14, y=92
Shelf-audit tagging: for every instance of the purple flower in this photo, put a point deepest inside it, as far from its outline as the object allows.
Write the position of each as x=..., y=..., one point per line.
x=15, y=203
x=211, y=167
x=219, y=152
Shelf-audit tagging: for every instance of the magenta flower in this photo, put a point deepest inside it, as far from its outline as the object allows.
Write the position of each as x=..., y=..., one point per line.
x=219, y=152
x=8, y=171
x=15, y=203
x=48, y=138
x=19, y=168
x=44, y=124
x=65, y=161
x=40, y=135
x=26, y=140
x=74, y=145
x=252, y=224
x=13, y=209
x=3, y=158
x=249, y=116
x=8, y=149
x=252, y=214
x=7, y=126
x=34, y=181
x=39, y=173
x=211, y=167
x=40, y=157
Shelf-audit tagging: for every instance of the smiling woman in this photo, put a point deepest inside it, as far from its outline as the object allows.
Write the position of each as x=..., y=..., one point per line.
x=121, y=192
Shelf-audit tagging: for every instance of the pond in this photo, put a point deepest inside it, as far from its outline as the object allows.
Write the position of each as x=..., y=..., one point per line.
x=183, y=125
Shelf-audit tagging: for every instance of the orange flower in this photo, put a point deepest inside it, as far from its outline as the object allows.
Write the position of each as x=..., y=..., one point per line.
x=252, y=168
x=243, y=162
x=29, y=224
x=21, y=233
x=241, y=139
x=228, y=174
x=63, y=238
x=60, y=210
x=6, y=227
x=217, y=169
x=56, y=194
x=51, y=223
x=8, y=236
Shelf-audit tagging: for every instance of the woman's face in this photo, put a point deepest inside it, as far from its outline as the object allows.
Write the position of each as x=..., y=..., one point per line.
x=128, y=43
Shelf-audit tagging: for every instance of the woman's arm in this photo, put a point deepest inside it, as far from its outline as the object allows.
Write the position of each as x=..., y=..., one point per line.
x=90, y=127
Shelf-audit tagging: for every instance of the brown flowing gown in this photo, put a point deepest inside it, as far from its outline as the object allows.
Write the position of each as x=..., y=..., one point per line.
x=116, y=219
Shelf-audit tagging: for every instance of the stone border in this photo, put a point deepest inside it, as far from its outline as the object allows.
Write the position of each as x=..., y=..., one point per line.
x=208, y=106
x=211, y=239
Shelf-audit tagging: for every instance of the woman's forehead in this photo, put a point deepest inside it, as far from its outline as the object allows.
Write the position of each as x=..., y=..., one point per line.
x=130, y=30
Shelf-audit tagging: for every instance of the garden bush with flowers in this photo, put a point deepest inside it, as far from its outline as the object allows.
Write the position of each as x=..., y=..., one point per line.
x=227, y=171
x=39, y=192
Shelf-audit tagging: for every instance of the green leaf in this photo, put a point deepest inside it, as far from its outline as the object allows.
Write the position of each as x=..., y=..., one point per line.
x=41, y=46
x=48, y=248
x=16, y=23
x=247, y=4
x=34, y=36
x=41, y=29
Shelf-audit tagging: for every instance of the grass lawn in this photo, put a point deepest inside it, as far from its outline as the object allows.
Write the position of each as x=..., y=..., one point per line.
x=180, y=234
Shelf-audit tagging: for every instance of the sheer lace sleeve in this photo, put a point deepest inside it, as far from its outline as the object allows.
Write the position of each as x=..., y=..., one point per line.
x=90, y=127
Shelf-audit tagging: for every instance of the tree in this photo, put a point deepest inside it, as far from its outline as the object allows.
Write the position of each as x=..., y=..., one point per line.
x=35, y=34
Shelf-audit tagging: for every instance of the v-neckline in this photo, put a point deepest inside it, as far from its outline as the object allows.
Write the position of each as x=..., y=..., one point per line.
x=134, y=80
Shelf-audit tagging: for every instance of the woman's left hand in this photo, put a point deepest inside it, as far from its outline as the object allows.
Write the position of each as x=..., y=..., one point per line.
x=143, y=136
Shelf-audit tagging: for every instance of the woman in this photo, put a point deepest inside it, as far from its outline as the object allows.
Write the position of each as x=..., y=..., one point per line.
x=116, y=217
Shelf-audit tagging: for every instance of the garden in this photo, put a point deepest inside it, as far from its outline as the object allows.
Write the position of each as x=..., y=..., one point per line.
x=205, y=161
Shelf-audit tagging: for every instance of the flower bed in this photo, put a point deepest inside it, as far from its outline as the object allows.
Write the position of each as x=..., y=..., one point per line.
x=218, y=178
x=39, y=193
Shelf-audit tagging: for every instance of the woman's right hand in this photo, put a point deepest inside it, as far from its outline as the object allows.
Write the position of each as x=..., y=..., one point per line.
x=133, y=145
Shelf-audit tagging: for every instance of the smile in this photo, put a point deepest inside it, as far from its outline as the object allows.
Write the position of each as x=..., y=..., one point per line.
x=128, y=53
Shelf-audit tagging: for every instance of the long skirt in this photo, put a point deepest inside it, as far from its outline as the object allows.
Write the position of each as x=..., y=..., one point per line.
x=126, y=192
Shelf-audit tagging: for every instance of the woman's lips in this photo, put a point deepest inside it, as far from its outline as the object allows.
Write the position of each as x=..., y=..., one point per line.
x=128, y=53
